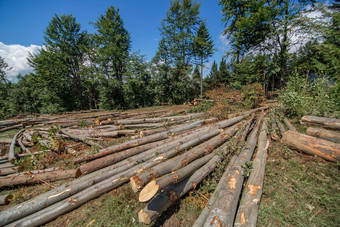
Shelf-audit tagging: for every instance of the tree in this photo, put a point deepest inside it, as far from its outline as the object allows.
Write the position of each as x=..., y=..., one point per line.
x=214, y=76
x=196, y=81
x=176, y=46
x=113, y=43
x=59, y=63
x=203, y=48
x=224, y=72
x=4, y=87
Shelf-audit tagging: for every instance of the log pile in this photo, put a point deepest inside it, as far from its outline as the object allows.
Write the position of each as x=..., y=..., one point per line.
x=178, y=159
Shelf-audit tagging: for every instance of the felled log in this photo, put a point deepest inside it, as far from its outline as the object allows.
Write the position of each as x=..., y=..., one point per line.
x=288, y=124
x=249, y=206
x=155, y=120
x=330, y=123
x=247, y=129
x=6, y=141
x=174, y=192
x=140, y=141
x=150, y=125
x=311, y=145
x=273, y=134
x=27, y=150
x=324, y=134
x=10, y=127
x=7, y=171
x=5, y=199
x=81, y=138
x=220, y=186
x=155, y=186
x=138, y=181
x=11, y=153
x=281, y=127
x=223, y=211
x=6, y=165
x=29, y=178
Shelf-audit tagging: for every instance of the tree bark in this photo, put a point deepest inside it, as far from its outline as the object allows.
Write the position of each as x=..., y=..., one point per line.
x=324, y=134
x=281, y=127
x=6, y=141
x=7, y=171
x=323, y=148
x=6, y=165
x=249, y=206
x=220, y=186
x=224, y=209
x=174, y=192
x=155, y=186
x=15, y=180
x=329, y=123
x=11, y=153
x=138, y=181
x=6, y=199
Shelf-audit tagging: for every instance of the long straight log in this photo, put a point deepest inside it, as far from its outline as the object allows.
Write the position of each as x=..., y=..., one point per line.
x=289, y=125
x=7, y=171
x=273, y=134
x=247, y=129
x=140, y=141
x=249, y=206
x=155, y=186
x=6, y=165
x=10, y=128
x=155, y=120
x=81, y=138
x=5, y=199
x=6, y=141
x=174, y=192
x=11, y=153
x=220, y=186
x=311, y=145
x=150, y=125
x=324, y=134
x=10, y=181
x=281, y=127
x=330, y=123
x=224, y=210
x=137, y=182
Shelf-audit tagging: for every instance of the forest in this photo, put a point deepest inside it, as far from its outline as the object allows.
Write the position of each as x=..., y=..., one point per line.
x=290, y=48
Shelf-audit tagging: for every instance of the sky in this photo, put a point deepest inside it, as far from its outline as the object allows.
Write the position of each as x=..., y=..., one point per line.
x=23, y=22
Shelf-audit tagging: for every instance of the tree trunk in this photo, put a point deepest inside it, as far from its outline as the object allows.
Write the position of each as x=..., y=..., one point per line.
x=6, y=165
x=201, y=78
x=140, y=141
x=6, y=141
x=281, y=127
x=37, y=178
x=224, y=209
x=314, y=146
x=324, y=134
x=174, y=192
x=5, y=199
x=138, y=181
x=150, y=125
x=11, y=153
x=288, y=124
x=273, y=134
x=7, y=171
x=249, y=206
x=330, y=123
x=220, y=186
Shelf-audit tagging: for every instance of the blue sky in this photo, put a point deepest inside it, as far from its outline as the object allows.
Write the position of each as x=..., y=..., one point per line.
x=22, y=24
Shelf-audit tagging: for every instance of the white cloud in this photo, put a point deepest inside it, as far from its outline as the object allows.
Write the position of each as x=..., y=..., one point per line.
x=224, y=42
x=16, y=57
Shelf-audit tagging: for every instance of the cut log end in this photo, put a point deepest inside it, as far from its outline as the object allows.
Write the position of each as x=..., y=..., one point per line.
x=144, y=217
x=149, y=191
x=135, y=183
x=6, y=199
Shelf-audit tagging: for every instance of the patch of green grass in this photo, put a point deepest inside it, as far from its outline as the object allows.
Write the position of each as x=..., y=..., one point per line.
x=8, y=134
x=118, y=208
x=299, y=190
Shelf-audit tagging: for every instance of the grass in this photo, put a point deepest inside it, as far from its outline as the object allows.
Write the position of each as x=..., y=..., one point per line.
x=8, y=134
x=299, y=190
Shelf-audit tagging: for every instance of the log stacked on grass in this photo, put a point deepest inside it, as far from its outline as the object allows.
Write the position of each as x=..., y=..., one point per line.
x=30, y=178
x=330, y=123
x=174, y=192
x=11, y=152
x=223, y=211
x=6, y=165
x=220, y=186
x=6, y=141
x=288, y=124
x=140, y=141
x=155, y=186
x=5, y=199
x=138, y=181
x=324, y=134
x=7, y=171
x=81, y=138
x=249, y=206
x=281, y=127
x=311, y=145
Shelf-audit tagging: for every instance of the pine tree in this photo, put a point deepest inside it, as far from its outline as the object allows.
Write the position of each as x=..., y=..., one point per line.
x=214, y=75
x=203, y=48
x=224, y=73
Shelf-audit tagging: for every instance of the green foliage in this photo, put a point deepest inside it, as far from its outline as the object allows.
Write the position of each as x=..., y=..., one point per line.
x=201, y=107
x=111, y=94
x=301, y=97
